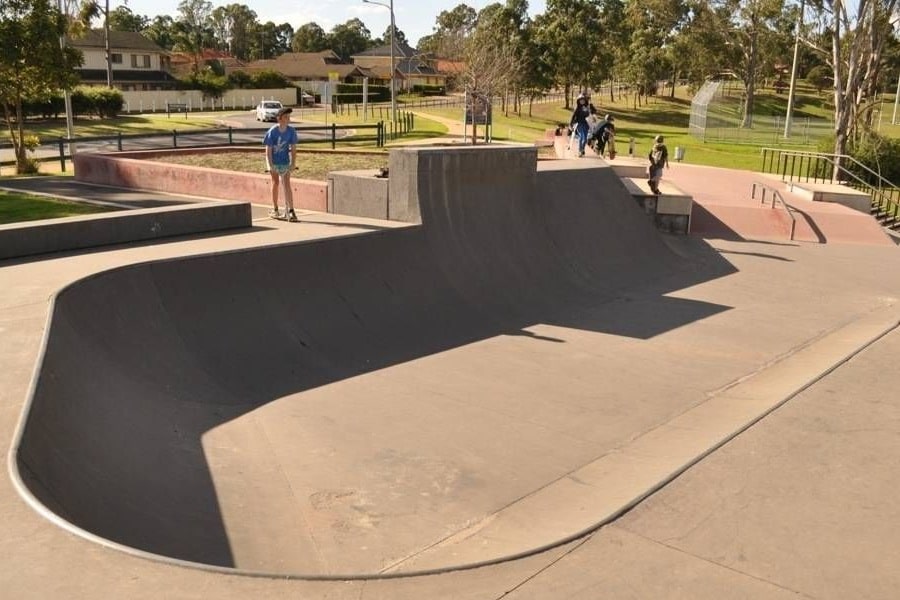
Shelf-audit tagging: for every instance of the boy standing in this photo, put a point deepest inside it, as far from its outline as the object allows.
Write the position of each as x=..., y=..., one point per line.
x=659, y=158
x=281, y=156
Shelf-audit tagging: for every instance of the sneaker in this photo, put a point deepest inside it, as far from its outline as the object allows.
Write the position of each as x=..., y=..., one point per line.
x=274, y=214
x=580, y=154
x=292, y=217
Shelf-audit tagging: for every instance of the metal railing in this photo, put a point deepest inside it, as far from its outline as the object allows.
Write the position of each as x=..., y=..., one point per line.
x=205, y=138
x=767, y=190
x=816, y=167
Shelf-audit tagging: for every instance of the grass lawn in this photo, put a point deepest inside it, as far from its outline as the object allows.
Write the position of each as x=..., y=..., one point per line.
x=16, y=207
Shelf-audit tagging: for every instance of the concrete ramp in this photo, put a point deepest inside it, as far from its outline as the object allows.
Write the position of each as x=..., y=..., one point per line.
x=336, y=407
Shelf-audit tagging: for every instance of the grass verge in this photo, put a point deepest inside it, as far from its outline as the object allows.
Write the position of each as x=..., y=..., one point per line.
x=16, y=208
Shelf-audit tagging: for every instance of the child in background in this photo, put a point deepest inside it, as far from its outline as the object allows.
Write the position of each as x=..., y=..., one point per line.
x=281, y=156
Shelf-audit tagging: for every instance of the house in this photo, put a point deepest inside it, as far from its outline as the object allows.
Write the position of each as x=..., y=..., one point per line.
x=301, y=67
x=411, y=67
x=137, y=62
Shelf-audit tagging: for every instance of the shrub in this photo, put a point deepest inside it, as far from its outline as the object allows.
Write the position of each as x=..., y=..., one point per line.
x=212, y=85
x=347, y=93
x=269, y=78
x=879, y=153
x=100, y=101
x=239, y=79
x=428, y=90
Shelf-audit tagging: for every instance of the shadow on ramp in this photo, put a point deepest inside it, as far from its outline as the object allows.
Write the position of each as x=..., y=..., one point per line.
x=147, y=367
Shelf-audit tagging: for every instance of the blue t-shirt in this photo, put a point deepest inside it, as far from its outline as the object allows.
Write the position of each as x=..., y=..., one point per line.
x=281, y=142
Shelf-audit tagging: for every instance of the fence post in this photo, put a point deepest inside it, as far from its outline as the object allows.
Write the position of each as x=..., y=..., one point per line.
x=62, y=155
x=333, y=135
x=119, y=141
x=230, y=138
x=174, y=138
x=380, y=134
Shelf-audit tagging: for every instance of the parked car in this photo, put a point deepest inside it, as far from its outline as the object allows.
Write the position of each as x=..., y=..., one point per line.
x=267, y=110
x=307, y=99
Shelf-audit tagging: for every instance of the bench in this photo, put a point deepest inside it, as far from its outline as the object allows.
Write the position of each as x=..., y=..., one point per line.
x=176, y=107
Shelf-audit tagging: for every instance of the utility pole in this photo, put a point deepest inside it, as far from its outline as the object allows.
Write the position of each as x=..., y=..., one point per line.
x=390, y=7
x=67, y=95
x=109, y=75
x=790, y=105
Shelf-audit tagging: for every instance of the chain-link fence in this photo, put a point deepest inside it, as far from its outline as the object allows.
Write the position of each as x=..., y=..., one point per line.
x=717, y=116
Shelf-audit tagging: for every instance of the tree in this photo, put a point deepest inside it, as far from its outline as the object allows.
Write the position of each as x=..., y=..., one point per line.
x=756, y=27
x=857, y=39
x=33, y=64
x=401, y=37
x=653, y=25
x=122, y=19
x=819, y=77
x=570, y=30
x=704, y=47
x=194, y=28
x=349, y=38
x=232, y=26
x=452, y=29
x=490, y=56
x=309, y=38
x=162, y=31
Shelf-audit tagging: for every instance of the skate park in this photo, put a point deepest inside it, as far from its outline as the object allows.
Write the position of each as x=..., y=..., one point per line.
x=522, y=389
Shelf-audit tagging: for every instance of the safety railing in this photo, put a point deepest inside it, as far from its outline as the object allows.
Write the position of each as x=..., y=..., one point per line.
x=204, y=138
x=816, y=167
x=769, y=194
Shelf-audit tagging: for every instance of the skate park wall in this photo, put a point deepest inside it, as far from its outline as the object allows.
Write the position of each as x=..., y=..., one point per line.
x=141, y=361
x=135, y=170
x=73, y=233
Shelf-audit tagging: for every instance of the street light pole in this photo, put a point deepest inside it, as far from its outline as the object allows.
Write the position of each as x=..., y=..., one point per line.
x=790, y=104
x=390, y=7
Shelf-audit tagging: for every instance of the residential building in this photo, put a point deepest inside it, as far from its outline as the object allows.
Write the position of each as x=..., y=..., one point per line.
x=300, y=67
x=411, y=67
x=137, y=62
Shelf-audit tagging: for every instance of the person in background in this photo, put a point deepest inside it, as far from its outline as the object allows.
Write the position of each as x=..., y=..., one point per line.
x=602, y=134
x=579, y=121
x=281, y=156
x=659, y=159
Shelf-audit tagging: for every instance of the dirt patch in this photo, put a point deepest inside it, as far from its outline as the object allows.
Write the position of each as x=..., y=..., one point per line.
x=310, y=165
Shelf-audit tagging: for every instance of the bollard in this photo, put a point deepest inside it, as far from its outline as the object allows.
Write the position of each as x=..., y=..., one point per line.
x=631, y=147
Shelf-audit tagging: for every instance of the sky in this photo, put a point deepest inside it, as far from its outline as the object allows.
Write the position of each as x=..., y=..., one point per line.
x=415, y=18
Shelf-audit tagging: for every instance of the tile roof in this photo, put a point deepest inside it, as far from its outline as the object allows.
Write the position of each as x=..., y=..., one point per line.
x=118, y=40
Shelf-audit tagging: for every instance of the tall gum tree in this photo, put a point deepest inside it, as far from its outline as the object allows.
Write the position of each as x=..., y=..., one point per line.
x=857, y=31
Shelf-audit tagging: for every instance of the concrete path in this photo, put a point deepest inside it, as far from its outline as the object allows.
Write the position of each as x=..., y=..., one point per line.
x=644, y=385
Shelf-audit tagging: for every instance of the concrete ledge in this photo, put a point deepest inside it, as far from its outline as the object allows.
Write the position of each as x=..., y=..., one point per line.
x=629, y=166
x=87, y=231
x=670, y=210
x=832, y=192
x=126, y=169
x=360, y=193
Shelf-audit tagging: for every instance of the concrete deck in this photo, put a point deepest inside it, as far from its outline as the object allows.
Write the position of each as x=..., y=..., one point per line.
x=502, y=379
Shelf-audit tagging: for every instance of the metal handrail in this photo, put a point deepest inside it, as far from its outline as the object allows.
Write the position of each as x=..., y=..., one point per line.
x=776, y=195
x=885, y=195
